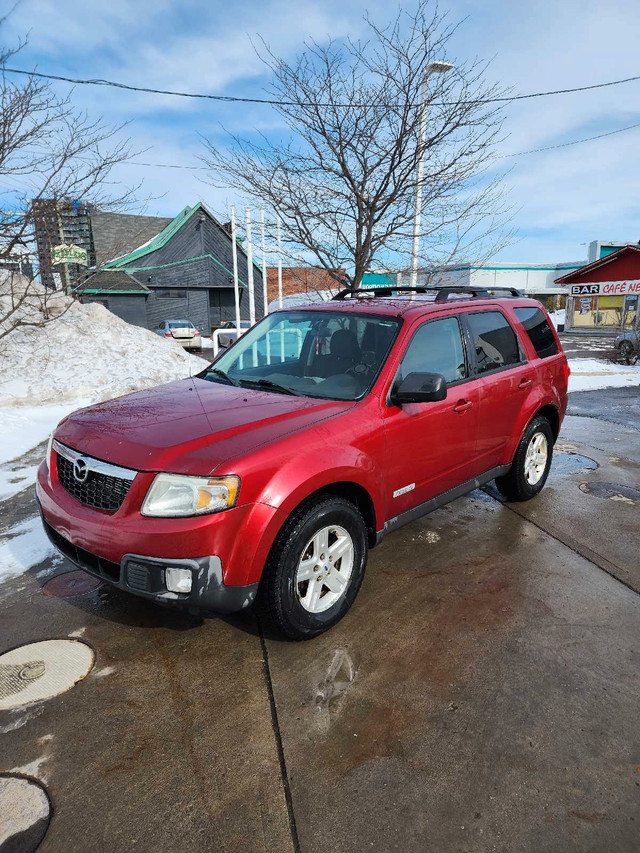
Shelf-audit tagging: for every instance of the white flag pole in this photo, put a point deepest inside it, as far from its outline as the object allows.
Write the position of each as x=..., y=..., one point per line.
x=264, y=267
x=252, y=299
x=236, y=283
x=279, y=264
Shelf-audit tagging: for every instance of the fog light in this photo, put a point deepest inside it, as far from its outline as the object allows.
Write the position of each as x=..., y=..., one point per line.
x=178, y=580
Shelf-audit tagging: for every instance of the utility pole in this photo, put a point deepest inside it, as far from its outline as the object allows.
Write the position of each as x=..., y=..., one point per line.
x=432, y=68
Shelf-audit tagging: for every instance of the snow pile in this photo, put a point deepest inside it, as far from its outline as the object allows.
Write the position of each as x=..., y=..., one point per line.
x=558, y=317
x=591, y=374
x=86, y=355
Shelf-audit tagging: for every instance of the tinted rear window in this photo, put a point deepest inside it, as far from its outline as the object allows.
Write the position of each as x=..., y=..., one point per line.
x=539, y=331
x=495, y=342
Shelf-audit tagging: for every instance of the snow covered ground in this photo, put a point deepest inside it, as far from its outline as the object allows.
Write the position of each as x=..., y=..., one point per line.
x=592, y=374
x=558, y=317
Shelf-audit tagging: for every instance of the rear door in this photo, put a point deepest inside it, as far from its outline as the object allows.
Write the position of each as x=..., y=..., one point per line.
x=506, y=379
x=431, y=446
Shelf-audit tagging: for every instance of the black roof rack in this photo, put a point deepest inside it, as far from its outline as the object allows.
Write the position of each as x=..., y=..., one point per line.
x=441, y=293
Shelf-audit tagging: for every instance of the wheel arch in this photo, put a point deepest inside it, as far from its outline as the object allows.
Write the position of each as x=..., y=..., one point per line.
x=551, y=413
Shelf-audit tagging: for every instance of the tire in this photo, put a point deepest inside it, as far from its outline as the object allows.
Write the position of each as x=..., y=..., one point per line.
x=301, y=609
x=625, y=348
x=523, y=482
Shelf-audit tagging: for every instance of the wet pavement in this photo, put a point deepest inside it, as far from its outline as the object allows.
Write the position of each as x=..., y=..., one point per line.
x=482, y=694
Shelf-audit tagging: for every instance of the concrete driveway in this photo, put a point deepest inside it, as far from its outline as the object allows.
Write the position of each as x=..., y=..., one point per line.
x=482, y=694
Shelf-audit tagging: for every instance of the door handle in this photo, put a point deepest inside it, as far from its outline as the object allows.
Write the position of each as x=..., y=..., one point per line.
x=524, y=383
x=462, y=405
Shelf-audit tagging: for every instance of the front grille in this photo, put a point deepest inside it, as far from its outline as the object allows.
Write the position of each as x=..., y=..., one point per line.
x=85, y=559
x=98, y=490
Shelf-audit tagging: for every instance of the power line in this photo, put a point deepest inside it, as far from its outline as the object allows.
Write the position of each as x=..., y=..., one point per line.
x=498, y=157
x=235, y=99
x=574, y=142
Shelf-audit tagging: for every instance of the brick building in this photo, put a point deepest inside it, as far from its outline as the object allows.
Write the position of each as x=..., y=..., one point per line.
x=300, y=280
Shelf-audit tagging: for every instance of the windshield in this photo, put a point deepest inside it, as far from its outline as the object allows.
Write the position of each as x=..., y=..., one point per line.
x=310, y=353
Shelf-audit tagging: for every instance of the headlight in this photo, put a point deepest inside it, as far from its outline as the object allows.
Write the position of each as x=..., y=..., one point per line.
x=173, y=495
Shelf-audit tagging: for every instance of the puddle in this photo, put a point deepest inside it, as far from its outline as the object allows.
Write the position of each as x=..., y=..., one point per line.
x=25, y=811
x=612, y=492
x=39, y=671
x=571, y=463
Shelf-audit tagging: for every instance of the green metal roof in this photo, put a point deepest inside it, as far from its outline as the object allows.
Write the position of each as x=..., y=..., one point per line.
x=163, y=238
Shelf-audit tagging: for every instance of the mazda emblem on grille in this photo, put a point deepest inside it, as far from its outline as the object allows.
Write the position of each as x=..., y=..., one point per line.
x=80, y=470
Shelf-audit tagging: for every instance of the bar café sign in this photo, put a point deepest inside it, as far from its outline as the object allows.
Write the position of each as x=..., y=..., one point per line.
x=607, y=288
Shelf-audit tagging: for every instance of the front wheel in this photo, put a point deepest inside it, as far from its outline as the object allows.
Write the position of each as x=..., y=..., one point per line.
x=531, y=464
x=315, y=568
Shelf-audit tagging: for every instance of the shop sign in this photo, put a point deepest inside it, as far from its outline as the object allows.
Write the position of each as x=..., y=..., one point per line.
x=606, y=288
x=68, y=254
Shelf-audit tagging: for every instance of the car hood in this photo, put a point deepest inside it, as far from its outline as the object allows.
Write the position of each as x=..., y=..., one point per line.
x=191, y=426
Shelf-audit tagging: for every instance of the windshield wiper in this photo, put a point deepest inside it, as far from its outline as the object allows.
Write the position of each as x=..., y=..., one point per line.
x=223, y=375
x=267, y=384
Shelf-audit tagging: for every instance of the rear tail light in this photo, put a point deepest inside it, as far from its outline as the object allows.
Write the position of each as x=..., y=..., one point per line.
x=196, y=334
x=567, y=371
x=167, y=334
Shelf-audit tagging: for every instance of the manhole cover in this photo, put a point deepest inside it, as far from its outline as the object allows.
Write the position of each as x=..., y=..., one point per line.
x=25, y=812
x=71, y=583
x=572, y=463
x=41, y=670
x=612, y=491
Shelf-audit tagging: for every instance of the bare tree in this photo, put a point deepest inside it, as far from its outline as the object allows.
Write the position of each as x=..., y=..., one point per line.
x=50, y=153
x=345, y=184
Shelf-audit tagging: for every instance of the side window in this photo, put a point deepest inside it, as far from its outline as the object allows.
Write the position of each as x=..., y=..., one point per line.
x=436, y=348
x=539, y=331
x=495, y=342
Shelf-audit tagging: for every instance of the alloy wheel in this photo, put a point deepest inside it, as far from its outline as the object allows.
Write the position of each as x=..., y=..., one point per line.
x=324, y=569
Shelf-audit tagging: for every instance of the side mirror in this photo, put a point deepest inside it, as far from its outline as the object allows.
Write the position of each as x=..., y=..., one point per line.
x=420, y=388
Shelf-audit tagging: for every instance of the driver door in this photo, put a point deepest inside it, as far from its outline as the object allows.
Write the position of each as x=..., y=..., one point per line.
x=431, y=447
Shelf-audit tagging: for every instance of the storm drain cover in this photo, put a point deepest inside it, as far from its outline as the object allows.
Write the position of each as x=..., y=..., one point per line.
x=612, y=491
x=71, y=583
x=41, y=670
x=572, y=463
x=25, y=812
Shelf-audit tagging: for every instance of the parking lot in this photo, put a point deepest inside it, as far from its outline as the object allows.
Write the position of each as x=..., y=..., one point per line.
x=481, y=695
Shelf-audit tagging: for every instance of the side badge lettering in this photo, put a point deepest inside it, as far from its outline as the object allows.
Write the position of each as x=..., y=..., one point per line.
x=404, y=490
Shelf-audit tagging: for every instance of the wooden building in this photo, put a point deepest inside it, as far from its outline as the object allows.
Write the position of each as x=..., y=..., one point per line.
x=183, y=272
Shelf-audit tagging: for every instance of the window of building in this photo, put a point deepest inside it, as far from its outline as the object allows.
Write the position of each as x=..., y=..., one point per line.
x=539, y=331
x=167, y=293
x=495, y=342
x=436, y=348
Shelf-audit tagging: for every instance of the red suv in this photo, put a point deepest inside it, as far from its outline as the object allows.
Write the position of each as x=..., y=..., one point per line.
x=271, y=473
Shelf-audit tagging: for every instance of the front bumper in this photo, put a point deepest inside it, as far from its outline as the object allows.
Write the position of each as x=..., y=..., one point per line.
x=145, y=576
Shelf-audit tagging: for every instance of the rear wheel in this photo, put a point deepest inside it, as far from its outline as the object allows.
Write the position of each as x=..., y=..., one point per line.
x=625, y=348
x=315, y=568
x=531, y=464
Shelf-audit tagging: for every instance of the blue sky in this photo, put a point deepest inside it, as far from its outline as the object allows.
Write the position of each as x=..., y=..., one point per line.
x=563, y=198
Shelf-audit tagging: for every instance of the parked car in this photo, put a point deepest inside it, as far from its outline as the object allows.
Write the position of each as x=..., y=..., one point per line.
x=269, y=476
x=183, y=331
x=228, y=334
x=628, y=343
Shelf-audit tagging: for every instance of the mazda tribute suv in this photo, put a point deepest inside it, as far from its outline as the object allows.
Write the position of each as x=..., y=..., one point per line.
x=270, y=474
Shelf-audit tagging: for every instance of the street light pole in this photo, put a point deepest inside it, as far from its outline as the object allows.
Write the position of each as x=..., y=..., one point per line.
x=432, y=68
